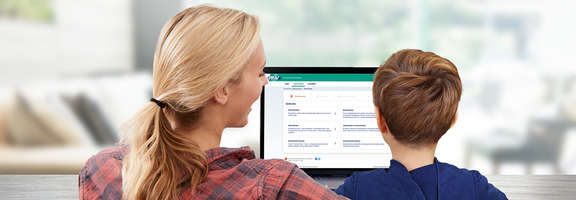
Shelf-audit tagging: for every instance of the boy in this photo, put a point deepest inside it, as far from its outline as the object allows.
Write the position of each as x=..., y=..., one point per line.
x=416, y=95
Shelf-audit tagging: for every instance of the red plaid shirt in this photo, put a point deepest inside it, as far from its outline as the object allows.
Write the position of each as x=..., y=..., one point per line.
x=233, y=173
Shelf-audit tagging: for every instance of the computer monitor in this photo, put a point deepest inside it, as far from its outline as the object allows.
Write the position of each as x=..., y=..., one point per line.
x=322, y=119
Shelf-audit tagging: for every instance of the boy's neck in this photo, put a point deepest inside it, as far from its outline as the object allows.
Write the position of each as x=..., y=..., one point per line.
x=411, y=157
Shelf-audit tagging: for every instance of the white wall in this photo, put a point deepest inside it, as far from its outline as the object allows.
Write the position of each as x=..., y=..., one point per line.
x=85, y=36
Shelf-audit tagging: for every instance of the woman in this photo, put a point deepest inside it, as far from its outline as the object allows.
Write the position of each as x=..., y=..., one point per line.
x=207, y=73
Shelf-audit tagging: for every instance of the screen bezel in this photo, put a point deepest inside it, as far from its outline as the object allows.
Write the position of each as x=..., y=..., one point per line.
x=312, y=70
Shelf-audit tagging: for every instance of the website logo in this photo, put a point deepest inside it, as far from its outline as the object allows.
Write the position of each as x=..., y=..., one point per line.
x=273, y=77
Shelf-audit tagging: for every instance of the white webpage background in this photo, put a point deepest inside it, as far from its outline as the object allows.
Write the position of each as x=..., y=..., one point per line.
x=323, y=125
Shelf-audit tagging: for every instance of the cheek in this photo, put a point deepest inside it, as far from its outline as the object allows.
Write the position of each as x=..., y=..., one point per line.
x=249, y=93
x=254, y=89
x=257, y=89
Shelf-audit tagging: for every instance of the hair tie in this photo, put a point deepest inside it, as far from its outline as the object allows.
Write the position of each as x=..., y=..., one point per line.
x=158, y=102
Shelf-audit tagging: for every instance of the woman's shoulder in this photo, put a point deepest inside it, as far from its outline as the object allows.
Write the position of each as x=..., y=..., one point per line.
x=267, y=166
x=272, y=162
x=116, y=152
x=108, y=161
x=101, y=176
x=111, y=155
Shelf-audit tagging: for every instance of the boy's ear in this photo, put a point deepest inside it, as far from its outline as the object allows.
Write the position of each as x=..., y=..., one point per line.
x=454, y=120
x=380, y=121
x=221, y=95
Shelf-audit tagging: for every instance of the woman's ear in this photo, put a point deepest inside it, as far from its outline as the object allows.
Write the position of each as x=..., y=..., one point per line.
x=380, y=121
x=221, y=95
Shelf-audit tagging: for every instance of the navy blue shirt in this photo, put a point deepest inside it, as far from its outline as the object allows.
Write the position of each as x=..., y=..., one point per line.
x=432, y=182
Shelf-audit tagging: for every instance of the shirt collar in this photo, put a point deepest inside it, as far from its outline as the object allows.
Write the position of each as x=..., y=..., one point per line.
x=399, y=169
x=223, y=158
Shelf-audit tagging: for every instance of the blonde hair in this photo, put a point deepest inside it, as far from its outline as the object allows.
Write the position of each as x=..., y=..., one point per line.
x=199, y=50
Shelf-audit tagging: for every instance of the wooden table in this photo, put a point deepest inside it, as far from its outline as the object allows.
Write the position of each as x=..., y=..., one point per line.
x=516, y=187
x=38, y=187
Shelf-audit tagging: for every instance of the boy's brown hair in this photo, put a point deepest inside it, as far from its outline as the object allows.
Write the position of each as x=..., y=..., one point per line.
x=417, y=93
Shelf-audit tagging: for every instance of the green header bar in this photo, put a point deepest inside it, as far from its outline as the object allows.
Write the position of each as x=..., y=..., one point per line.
x=321, y=77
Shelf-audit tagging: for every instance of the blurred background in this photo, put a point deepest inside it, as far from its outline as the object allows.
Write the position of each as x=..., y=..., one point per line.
x=72, y=71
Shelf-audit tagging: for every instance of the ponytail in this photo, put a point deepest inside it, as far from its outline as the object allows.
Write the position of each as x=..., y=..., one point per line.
x=161, y=162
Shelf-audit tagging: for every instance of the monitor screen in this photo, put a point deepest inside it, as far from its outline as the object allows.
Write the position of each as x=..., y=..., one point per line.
x=322, y=120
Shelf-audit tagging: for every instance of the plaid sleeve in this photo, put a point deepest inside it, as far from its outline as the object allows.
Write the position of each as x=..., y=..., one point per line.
x=101, y=177
x=286, y=181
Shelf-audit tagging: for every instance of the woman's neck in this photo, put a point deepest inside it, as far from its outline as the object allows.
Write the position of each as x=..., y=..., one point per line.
x=207, y=131
x=207, y=137
x=413, y=158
